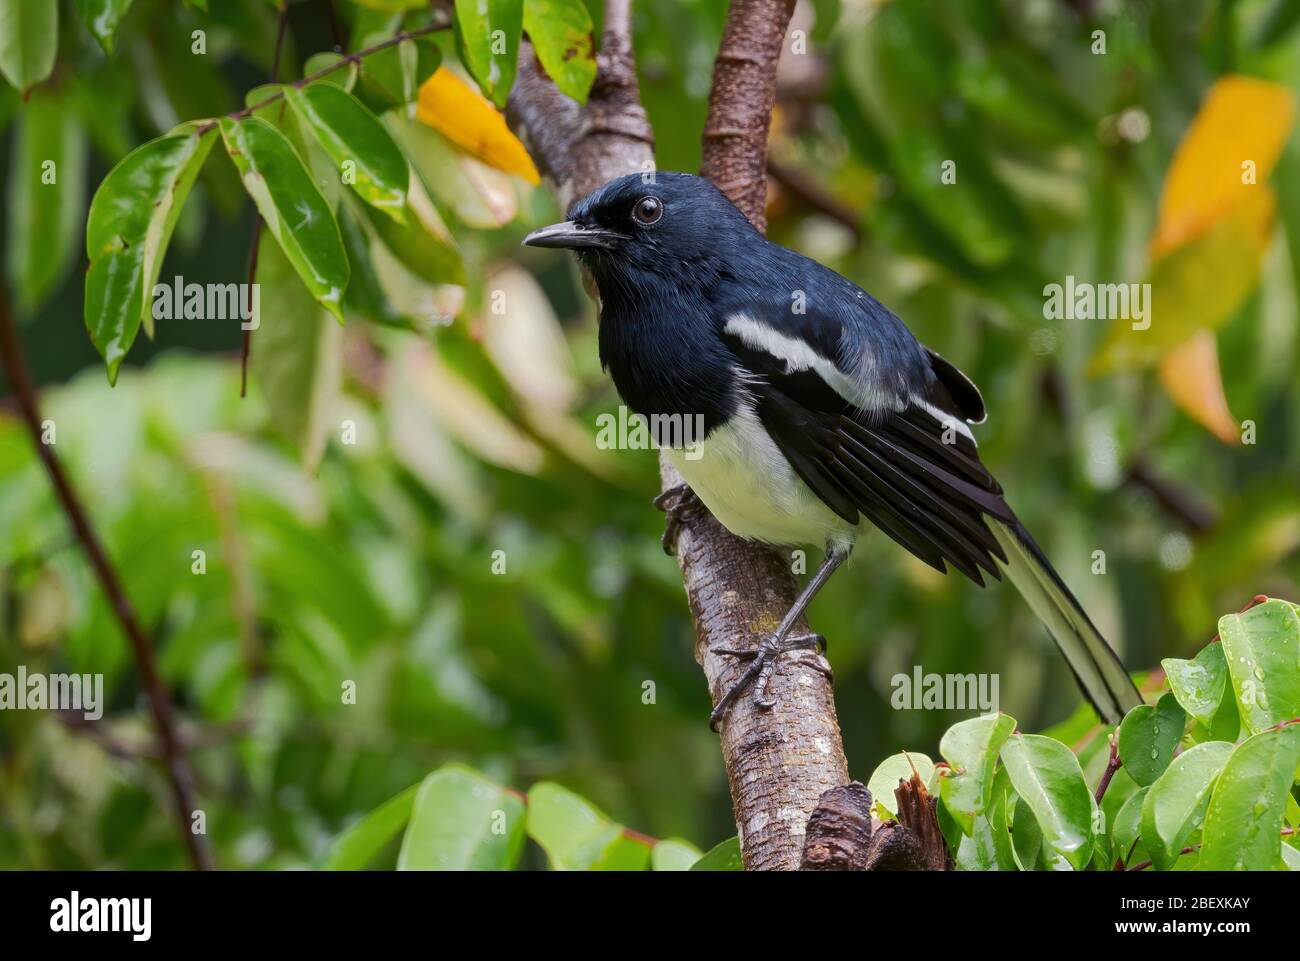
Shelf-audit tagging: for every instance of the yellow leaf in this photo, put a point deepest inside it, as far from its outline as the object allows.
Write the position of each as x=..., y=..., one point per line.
x=1240, y=129
x=1191, y=376
x=461, y=114
x=1199, y=286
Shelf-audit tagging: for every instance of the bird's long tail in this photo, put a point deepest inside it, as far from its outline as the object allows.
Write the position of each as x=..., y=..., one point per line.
x=1096, y=667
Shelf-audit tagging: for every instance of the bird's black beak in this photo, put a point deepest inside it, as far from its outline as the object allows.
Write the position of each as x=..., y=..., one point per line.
x=574, y=236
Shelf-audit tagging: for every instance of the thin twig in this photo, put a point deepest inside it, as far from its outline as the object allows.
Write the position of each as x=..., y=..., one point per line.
x=1181, y=503
x=196, y=738
x=1113, y=764
x=179, y=774
x=814, y=196
x=339, y=64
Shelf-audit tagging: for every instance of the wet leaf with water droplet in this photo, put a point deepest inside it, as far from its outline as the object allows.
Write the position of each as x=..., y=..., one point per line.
x=1148, y=736
x=1175, y=804
x=461, y=821
x=1262, y=649
x=971, y=750
x=1243, y=822
x=1049, y=780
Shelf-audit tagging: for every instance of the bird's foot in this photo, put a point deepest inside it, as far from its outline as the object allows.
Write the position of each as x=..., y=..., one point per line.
x=806, y=649
x=676, y=503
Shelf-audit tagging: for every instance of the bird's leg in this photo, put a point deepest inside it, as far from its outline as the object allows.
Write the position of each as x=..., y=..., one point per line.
x=676, y=503
x=763, y=658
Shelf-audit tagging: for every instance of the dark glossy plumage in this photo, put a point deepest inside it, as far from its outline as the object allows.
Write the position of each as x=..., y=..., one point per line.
x=822, y=410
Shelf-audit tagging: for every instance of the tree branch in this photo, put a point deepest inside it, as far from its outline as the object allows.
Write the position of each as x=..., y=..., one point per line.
x=812, y=195
x=177, y=766
x=578, y=148
x=741, y=101
x=778, y=762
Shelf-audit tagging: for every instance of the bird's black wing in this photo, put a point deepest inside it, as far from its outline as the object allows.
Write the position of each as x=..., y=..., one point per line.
x=911, y=467
x=913, y=475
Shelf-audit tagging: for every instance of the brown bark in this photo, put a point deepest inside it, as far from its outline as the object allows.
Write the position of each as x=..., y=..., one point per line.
x=843, y=837
x=741, y=101
x=579, y=147
x=779, y=762
x=918, y=813
x=839, y=830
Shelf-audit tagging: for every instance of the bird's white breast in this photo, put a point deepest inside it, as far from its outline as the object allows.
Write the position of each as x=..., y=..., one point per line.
x=747, y=484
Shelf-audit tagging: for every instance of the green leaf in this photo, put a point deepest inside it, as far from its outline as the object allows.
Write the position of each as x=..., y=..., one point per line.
x=722, y=857
x=298, y=364
x=1199, y=683
x=357, y=142
x=1243, y=823
x=1127, y=827
x=577, y=836
x=393, y=76
x=358, y=846
x=1262, y=649
x=977, y=851
x=1001, y=807
x=365, y=294
x=292, y=206
x=278, y=114
x=344, y=77
x=1175, y=804
x=29, y=40
x=561, y=32
x=1026, y=835
x=897, y=767
x=47, y=198
x=1148, y=736
x=422, y=244
x=391, y=6
x=489, y=32
x=461, y=821
x=130, y=223
x=971, y=750
x=1049, y=780
x=673, y=854
x=101, y=18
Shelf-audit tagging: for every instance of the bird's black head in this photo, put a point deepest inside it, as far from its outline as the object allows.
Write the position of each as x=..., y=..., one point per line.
x=658, y=224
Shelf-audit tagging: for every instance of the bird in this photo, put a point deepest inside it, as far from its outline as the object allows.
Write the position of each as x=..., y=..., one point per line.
x=821, y=415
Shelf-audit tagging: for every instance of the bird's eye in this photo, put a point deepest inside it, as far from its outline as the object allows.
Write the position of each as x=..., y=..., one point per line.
x=648, y=210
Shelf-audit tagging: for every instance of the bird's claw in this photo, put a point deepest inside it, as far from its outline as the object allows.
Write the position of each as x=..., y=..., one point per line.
x=806, y=649
x=676, y=503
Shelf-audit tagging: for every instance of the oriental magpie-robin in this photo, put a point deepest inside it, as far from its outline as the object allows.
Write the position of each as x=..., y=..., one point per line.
x=822, y=413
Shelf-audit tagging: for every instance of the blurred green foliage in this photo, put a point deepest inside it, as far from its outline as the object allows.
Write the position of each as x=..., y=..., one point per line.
x=378, y=567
